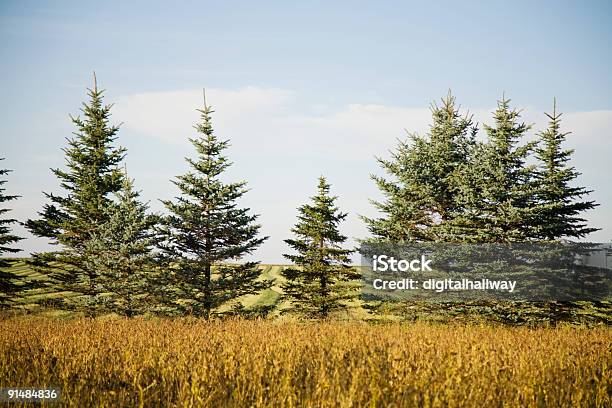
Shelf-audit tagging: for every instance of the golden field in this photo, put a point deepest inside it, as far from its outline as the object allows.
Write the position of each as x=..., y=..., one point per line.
x=184, y=362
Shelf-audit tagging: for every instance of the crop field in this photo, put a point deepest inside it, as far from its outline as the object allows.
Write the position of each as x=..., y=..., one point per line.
x=184, y=362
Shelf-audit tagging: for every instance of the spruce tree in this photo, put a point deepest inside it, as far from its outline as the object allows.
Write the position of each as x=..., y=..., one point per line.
x=322, y=280
x=420, y=195
x=91, y=177
x=207, y=230
x=559, y=202
x=10, y=285
x=498, y=189
x=121, y=253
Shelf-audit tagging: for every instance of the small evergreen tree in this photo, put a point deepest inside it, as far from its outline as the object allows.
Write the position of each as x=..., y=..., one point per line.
x=322, y=280
x=91, y=177
x=420, y=197
x=498, y=190
x=9, y=286
x=121, y=253
x=559, y=202
x=206, y=230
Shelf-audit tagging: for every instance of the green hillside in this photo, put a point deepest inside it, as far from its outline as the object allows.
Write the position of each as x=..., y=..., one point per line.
x=40, y=299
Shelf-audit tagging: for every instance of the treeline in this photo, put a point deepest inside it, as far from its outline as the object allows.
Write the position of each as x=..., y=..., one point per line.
x=449, y=187
x=445, y=186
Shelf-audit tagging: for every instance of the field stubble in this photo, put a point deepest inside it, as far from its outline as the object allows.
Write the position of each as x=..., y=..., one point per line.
x=183, y=362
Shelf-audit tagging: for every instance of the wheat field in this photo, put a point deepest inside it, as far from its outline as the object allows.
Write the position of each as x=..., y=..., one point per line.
x=184, y=363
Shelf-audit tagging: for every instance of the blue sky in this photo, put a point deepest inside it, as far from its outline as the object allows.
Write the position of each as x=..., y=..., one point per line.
x=299, y=88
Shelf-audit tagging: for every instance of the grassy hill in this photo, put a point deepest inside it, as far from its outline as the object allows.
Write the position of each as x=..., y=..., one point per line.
x=36, y=298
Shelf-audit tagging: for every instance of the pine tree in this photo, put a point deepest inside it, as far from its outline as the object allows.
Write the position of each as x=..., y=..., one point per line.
x=559, y=202
x=206, y=230
x=91, y=177
x=121, y=253
x=420, y=197
x=322, y=280
x=498, y=190
x=9, y=286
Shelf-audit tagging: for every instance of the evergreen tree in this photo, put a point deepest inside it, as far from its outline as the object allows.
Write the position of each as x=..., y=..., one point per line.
x=92, y=175
x=559, y=202
x=206, y=230
x=121, y=253
x=9, y=288
x=420, y=197
x=322, y=280
x=498, y=190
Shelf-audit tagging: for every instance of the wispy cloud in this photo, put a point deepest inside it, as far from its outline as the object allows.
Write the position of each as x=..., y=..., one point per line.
x=270, y=120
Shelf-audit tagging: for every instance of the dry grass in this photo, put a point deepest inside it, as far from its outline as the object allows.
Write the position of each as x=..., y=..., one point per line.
x=250, y=363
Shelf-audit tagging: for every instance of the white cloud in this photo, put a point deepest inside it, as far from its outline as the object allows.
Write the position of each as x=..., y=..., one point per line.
x=268, y=119
x=169, y=116
x=591, y=127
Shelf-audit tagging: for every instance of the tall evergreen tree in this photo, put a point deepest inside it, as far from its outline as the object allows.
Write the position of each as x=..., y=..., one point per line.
x=420, y=195
x=498, y=190
x=322, y=280
x=560, y=203
x=9, y=286
x=206, y=230
x=91, y=176
x=121, y=253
